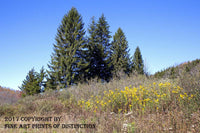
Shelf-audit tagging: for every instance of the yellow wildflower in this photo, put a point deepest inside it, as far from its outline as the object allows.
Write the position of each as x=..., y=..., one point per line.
x=174, y=91
x=156, y=100
x=161, y=84
x=186, y=95
x=182, y=96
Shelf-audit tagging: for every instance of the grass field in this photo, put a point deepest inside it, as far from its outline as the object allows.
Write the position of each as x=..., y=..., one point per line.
x=131, y=104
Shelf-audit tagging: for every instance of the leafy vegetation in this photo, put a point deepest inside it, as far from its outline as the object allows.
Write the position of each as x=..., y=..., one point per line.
x=154, y=97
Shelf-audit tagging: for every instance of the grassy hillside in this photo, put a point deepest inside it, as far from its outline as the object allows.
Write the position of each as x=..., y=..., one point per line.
x=187, y=74
x=179, y=70
x=131, y=104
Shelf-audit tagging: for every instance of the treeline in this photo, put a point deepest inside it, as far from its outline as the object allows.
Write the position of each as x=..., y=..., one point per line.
x=179, y=70
x=77, y=58
x=8, y=96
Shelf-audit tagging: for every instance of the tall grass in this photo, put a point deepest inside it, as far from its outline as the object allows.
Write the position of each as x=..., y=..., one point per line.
x=131, y=104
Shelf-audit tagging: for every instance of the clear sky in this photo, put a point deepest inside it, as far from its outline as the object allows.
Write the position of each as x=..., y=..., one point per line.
x=167, y=31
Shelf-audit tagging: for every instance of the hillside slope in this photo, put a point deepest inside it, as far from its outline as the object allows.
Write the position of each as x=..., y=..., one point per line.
x=179, y=70
x=135, y=103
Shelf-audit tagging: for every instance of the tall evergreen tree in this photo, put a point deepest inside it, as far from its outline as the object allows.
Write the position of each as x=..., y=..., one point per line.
x=104, y=51
x=68, y=64
x=120, y=53
x=138, y=64
x=97, y=61
x=95, y=54
x=33, y=82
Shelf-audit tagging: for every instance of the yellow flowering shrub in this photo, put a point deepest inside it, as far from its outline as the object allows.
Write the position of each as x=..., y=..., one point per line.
x=152, y=97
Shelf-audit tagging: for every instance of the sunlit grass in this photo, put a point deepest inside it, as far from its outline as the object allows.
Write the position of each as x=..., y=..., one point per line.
x=133, y=104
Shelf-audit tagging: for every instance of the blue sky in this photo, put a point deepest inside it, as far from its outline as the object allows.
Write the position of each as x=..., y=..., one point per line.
x=167, y=31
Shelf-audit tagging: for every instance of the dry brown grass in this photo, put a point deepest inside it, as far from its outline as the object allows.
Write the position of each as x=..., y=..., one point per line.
x=180, y=119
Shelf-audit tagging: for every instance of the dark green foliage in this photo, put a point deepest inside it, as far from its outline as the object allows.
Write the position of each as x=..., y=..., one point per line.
x=187, y=69
x=159, y=74
x=120, y=53
x=99, y=49
x=95, y=52
x=33, y=82
x=103, y=39
x=172, y=73
x=68, y=64
x=51, y=81
x=138, y=64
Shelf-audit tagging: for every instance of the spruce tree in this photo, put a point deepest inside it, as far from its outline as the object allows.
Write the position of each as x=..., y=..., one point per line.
x=68, y=64
x=94, y=54
x=104, y=51
x=120, y=53
x=138, y=64
x=33, y=82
